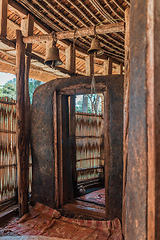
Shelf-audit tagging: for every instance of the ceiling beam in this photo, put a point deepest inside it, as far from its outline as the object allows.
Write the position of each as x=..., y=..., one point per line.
x=90, y=31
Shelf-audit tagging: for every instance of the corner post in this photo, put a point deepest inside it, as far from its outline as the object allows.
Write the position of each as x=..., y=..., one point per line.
x=21, y=134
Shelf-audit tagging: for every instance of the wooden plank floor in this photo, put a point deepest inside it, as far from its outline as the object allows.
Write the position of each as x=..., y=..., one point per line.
x=86, y=209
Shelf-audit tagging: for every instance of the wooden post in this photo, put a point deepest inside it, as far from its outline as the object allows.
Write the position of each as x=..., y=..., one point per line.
x=20, y=113
x=89, y=65
x=60, y=148
x=108, y=66
x=65, y=174
x=72, y=133
x=3, y=17
x=121, y=68
x=106, y=148
x=71, y=58
x=55, y=124
x=126, y=109
x=143, y=165
x=27, y=30
x=153, y=118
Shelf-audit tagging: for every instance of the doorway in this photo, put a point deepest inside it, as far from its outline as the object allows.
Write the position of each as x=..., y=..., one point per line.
x=89, y=116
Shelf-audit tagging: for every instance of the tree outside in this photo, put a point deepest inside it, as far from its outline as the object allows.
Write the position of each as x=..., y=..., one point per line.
x=90, y=103
x=9, y=88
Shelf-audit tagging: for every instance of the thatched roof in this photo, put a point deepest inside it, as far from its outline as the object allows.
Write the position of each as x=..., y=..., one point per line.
x=65, y=15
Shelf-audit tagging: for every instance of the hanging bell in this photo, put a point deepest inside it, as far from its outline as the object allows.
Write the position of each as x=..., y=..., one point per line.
x=52, y=58
x=95, y=47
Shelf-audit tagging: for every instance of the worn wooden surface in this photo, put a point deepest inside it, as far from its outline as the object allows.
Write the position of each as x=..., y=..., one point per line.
x=109, y=28
x=106, y=148
x=21, y=134
x=126, y=109
x=27, y=30
x=153, y=119
x=60, y=148
x=89, y=65
x=136, y=184
x=67, y=169
x=116, y=151
x=55, y=122
x=3, y=17
x=71, y=58
x=72, y=143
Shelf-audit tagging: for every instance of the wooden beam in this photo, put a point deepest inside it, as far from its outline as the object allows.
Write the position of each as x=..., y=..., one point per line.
x=3, y=17
x=83, y=32
x=89, y=65
x=20, y=114
x=71, y=58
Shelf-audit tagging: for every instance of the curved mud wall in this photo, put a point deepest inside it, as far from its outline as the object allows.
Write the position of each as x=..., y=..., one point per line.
x=42, y=136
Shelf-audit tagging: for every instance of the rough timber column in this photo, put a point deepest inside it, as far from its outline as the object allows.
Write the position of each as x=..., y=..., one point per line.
x=143, y=169
x=21, y=134
x=126, y=109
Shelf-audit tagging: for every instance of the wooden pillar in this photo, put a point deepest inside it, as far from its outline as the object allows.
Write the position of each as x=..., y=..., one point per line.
x=55, y=124
x=143, y=168
x=20, y=113
x=27, y=30
x=72, y=137
x=71, y=58
x=126, y=109
x=65, y=173
x=121, y=68
x=108, y=66
x=89, y=65
x=153, y=118
x=106, y=149
x=3, y=17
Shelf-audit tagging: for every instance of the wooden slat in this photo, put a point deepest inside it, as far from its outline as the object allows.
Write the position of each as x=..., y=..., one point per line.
x=21, y=141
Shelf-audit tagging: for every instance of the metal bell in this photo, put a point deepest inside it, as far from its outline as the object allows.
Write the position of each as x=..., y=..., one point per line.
x=53, y=58
x=95, y=47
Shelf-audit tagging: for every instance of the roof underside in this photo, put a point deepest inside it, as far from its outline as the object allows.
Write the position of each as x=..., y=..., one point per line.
x=66, y=15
